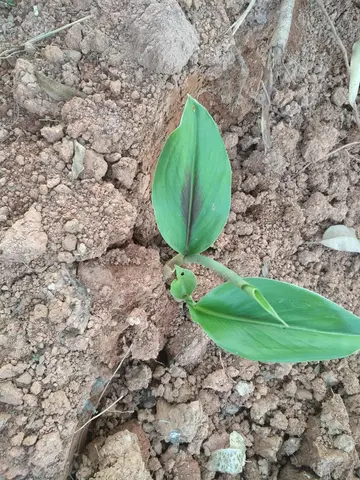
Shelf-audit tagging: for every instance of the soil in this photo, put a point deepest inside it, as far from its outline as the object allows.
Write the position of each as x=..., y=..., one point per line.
x=82, y=291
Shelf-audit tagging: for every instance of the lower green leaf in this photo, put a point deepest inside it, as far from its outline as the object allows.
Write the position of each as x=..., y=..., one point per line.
x=318, y=329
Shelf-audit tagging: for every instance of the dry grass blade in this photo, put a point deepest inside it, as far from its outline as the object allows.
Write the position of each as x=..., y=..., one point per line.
x=22, y=47
x=104, y=391
x=236, y=25
x=98, y=415
x=338, y=39
x=265, y=118
x=337, y=150
x=344, y=52
x=115, y=372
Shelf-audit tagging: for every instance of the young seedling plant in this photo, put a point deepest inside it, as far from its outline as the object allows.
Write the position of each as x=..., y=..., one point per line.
x=256, y=318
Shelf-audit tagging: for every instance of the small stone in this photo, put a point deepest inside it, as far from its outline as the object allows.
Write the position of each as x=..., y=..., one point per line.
x=72, y=226
x=291, y=445
x=48, y=450
x=186, y=467
x=230, y=140
x=35, y=388
x=317, y=208
x=184, y=418
x=10, y=395
x=57, y=403
x=53, y=134
x=345, y=443
x=279, y=421
x=134, y=427
x=53, y=182
x=30, y=440
x=340, y=96
x=267, y=447
x=17, y=439
x=30, y=400
x=3, y=134
x=147, y=345
x=65, y=257
x=43, y=190
x=120, y=457
x=7, y=371
x=124, y=171
x=291, y=473
x=4, y=213
x=53, y=54
x=138, y=377
x=315, y=454
x=4, y=418
x=262, y=407
x=218, y=381
x=73, y=56
x=135, y=95
x=334, y=416
x=115, y=87
x=189, y=345
x=25, y=240
x=24, y=379
x=94, y=165
x=244, y=388
x=69, y=242
x=322, y=139
x=40, y=311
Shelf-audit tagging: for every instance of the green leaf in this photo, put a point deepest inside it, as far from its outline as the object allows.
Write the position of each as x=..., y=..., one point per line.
x=184, y=285
x=318, y=329
x=191, y=191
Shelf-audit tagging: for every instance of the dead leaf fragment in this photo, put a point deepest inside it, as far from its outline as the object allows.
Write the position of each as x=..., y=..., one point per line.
x=78, y=160
x=342, y=238
x=56, y=90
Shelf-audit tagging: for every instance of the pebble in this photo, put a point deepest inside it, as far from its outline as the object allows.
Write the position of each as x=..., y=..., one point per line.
x=30, y=440
x=53, y=134
x=72, y=226
x=10, y=394
x=53, y=182
x=17, y=439
x=69, y=242
x=35, y=388
x=244, y=388
x=40, y=311
x=24, y=379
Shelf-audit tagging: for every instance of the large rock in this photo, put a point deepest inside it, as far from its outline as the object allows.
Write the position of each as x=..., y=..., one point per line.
x=165, y=38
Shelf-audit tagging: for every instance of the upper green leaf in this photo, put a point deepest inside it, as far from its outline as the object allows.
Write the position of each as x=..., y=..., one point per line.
x=191, y=191
x=318, y=329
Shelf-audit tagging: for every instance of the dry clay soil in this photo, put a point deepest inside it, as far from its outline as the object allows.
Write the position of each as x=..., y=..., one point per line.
x=81, y=258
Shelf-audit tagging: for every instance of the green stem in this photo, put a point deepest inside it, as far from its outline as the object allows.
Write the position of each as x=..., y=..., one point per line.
x=235, y=279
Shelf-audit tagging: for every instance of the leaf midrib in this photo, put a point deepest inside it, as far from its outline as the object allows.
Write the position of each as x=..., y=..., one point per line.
x=266, y=324
x=192, y=187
